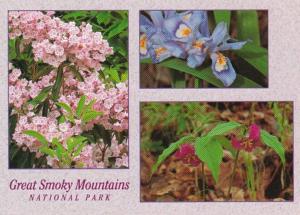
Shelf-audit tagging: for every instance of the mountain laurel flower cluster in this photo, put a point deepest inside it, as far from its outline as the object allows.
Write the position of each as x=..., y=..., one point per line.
x=68, y=115
x=55, y=41
x=186, y=35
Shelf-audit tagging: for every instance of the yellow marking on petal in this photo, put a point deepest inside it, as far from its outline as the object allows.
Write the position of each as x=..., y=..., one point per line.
x=187, y=17
x=221, y=63
x=159, y=51
x=198, y=44
x=143, y=44
x=183, y=31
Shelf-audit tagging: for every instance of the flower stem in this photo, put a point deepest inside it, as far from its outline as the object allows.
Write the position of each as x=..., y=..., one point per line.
x=233, y=174
x=197, y=181
x=203, y=180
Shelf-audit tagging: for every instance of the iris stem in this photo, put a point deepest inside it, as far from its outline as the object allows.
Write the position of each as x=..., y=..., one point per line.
x=203, y=180
x=233, y=174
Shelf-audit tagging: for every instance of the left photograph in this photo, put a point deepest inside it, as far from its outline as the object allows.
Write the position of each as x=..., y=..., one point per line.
x=68, y=89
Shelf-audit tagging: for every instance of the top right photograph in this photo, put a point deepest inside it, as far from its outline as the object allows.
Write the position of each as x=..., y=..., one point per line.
x=204, y=49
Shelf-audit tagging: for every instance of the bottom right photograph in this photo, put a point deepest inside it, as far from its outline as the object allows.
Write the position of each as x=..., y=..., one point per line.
x=216, y=151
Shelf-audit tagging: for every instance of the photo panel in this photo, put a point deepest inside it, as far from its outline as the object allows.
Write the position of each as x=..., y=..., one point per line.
x=68, y=89
x=216, y=151
x=204, y=49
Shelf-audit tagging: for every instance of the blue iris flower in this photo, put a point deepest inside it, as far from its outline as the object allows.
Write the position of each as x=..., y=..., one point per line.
x=186, y=35
x=155, y=40
x=212, y=46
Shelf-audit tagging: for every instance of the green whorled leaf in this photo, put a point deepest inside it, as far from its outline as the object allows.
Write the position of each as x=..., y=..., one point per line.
x=61, y=119
x=42, y=70
x=113, y=74
x=223, y=128
x=247, y=26
x=86, y=117
x=66, y=107
x=75, y=15
x=58, y=82
x=76, y=73
x=103, y=17
x=168, y=151
x=222, y=16
x=18, y=42
x=273, y=142
x=210, y=151
x=45, y=108
x=38, y=136
x=59, y=148
x=80, y=106
x=72, y=142
x=47, y=151
x=79, y=149
x=41, y=96
x=226, y=144
x=205, y=74
x=117, y=28
x=89, y=106
x=12, y=49
x=256, y=56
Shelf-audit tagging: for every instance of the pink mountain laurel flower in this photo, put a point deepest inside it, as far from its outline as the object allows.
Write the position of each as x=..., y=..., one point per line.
x=250, y=142
x=187, y=154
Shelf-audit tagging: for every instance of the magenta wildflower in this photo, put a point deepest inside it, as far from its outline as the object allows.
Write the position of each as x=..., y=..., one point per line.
x=187, y=154
x=250, y=142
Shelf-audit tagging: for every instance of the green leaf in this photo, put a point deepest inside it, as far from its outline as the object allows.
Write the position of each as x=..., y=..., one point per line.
x=205, y=74
x=117, y=28
x=12, y=49
x=226, y=144
x=210, y=151
x=89, y=106
x=273, y=142
x=256, y=56
x=47, y=151
x=41, y=96
x=59, y=148
x=74, y=141
x=113, y=74
x=65, y=106
x=86, y=117
x=76, y=73
x=223, y=128
x=80, y=106
x=37, y=135
x=178, y=79
x=247, y=25
x=58, y=82
x=222, y=16
x=168, y=151
x=79, y=148
x=103, y=17
x=75, y=15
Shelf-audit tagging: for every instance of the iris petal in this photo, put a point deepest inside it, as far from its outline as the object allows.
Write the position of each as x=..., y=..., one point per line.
x=175, y=49
x=169, y=13
x=159, y=53
x=157, y=17
x=219, y=33
x=231, y=46
x=194, y=60
x=228, y=75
